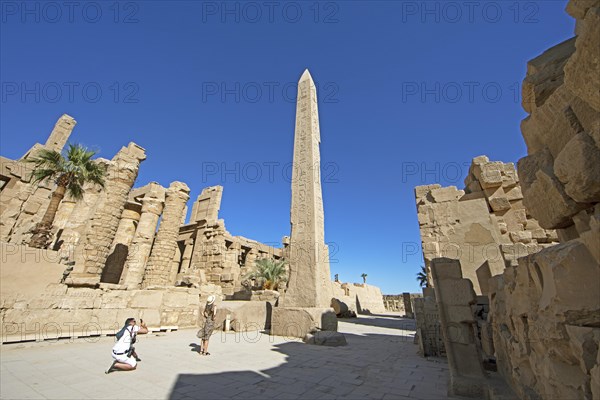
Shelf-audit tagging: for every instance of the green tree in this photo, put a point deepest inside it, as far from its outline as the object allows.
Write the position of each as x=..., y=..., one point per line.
x=364, y=276
x=70, y=172
x=422, y=277
x=270, y=273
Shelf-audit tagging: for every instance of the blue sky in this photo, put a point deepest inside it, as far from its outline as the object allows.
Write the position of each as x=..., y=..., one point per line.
x=409, y=92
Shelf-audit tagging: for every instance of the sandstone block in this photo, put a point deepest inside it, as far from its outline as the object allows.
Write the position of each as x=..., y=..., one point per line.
x=562, y=267
x=446, y=268
x=32, y=207
x=489, y=175
x=147, y=299
x=581, y=71
x=522, y=237
x=514, y=193
x=246, y=315
x=326, y=338
x=551, y=125
x=499, y=204
x=450, y=193
x=545, y=74
x=556, y=209
x=173, y=299
x=577, y=167
x=116, y=299
x=422, y=191
x=298, y=322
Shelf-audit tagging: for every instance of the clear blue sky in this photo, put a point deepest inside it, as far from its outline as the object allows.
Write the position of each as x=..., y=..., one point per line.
x=409, y=93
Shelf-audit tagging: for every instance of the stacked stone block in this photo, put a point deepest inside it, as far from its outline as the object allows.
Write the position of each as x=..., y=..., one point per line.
x=141, y=245
x=485, y=226
x=546, y=309
x=92, y=255
x=160, y=264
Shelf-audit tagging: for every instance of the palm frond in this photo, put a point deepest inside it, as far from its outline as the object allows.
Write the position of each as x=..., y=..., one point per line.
x=269, y=269
x=47, y=164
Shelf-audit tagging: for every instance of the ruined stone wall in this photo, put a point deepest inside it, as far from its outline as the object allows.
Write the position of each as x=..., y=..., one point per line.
x=23, y=203
x=41, y=306
x=429, y=328
x=546, y=309
x=485, y=226
x=393, y=303
x=359, y=297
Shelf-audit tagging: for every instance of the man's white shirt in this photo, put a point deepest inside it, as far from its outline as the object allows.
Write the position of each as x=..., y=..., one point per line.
x=124, y=343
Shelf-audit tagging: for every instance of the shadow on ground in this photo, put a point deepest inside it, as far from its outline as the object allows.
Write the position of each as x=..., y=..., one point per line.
x=372, y=365
x=405, y=324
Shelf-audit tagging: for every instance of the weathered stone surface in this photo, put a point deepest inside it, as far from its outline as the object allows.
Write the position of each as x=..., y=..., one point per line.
x=310, y=278
x=147, y=299
x=557, y=208
x=141, y=244
x=326, y=338
x=160, y=263
x=446, y=194
x=581, y=71
x=578, y=167
x=298, y=322
x=454, y=297
x=552, y=125
x=429, y=329
x=207, y=205
x=103, y=226
x=61, y=133
x=545, y=74
x=246, y=315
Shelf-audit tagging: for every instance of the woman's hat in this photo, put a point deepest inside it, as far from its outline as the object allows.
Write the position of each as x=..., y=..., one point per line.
x=211, y=299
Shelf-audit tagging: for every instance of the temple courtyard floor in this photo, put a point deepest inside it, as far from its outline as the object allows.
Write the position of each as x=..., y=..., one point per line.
x=379, y=362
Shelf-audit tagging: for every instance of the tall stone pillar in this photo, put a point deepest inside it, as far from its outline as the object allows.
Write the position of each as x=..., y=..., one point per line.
x=175, y=263
x=79, y=219
x=120, y=248
x=61, y=133
x=158, y=268
x=305, y=306
x=141, y=245
x=207, y=205
x=186, y=257
x=455, y=296
x=92, y=254
x=310, y=281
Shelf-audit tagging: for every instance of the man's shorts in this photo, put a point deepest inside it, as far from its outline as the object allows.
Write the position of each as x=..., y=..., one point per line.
x=122, y=358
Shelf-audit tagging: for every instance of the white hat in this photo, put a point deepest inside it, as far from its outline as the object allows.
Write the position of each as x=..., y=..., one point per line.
x=210, y=299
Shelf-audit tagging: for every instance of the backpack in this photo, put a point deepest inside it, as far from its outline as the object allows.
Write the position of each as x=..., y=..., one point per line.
x=120, y=334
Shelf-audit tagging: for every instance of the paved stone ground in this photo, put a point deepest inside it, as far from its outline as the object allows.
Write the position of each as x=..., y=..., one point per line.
x=379, y=362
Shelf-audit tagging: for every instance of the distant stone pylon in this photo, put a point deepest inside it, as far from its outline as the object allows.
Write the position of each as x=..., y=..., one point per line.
x=310, y=281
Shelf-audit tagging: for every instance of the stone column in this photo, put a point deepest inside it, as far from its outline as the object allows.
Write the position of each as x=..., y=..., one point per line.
x=454, y=296
x=158, y=268
x=91, y=256
x=61, y=133
x=175, y=262
x=207, y=205
x=407, y=305
x=120, y=247
x=310, y=281
x=79, y=219
x=186, y=257
x=135, y=266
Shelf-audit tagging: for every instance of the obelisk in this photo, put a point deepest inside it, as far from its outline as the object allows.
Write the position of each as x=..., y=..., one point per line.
x=309, y=282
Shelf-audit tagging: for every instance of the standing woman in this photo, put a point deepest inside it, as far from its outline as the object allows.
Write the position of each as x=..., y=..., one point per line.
x=210, y=311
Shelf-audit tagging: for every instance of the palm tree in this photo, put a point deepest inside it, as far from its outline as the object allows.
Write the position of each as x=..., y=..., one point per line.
x=364, y=276
x=70, y=172
x=270, y=272
x=422, y=277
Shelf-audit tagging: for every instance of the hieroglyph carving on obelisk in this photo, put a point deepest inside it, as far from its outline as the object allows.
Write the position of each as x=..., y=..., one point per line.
x=310, y=282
